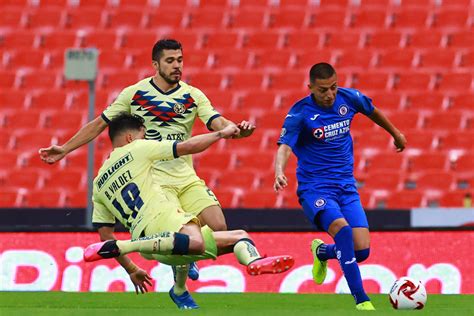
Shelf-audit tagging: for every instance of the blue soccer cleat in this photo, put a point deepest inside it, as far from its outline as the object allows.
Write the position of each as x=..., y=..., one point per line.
x=183, y=301
x=193, y=272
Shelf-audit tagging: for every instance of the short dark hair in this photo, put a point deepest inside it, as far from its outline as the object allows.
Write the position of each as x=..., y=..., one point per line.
x=124, y=122
x=162, y=44
x=321, y=71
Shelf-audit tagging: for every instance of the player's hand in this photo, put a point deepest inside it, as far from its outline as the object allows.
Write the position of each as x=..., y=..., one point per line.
x=246, y=128
x=281, y=182
x=229, y=131
x=400, y=142
x=52, y=154
x=140, y=279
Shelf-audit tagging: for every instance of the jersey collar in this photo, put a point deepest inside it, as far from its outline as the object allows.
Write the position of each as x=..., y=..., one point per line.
x=161, y=91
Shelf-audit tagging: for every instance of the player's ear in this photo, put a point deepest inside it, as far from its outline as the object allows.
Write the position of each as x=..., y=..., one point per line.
x=129, y=137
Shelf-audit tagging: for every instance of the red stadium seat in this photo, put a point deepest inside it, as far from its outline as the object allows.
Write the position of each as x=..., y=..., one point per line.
x=100, y=39
x=441, y=121
x=454, y=198
x=126, y=17
x=386, y=100
x=421, y=140
x=220, y=161
x=330, y=18
x=214, y=3
x=32, y=160
x=376, y=141
x=306, y=59
x=52, y=17
x=269, y=60
x=293, y=4
x=461, y=39
x=66, y=179
x=118, y=79
x=290, y=18
x=437, y=59
x=290, y=199
x=386, y=162
x=49, y=99
x=413, y=81
x=49, y=80
x=31, y=139
x=257, y=99
x=272, y=120
x=226, y=198
x=115, y=59
x=76, y=198
x=91, y=18
x=456, y=82
x=361, y=123
x=209, y=18
x=257, y=160
x=405, y=120
x=220, y=99
x=18, y=39
x=24, y=58
x=429, y=39
x=11, y=17
x=32, y=121
x=354, y=59
x=188, y=39
x=9, y=160
x=59, y=40
x=263, y=40
x=346, y=40
x=206, y=80
x=461, y=101
x=242, y=179
x=369, y=18
x=248, y=19
x=457, y=18
x=73, y=120
x=9, y=198
x=7, y=79
x=425, y=101
x=137, y=40
x=23, y=178
x=246, y=80
x=413, y=18
x=288, y=80
x=371, y=81
x=384, y=39
x=404, y=199
x=396, y=59
x=224, y=60
x=386, y=180
x=43, y=198
x=458, y=140
x=259, y=199
x=428, y=162
x=465, y=163
x=441, y=181
x=303, y=40
x=467, y=60
x=222, y=41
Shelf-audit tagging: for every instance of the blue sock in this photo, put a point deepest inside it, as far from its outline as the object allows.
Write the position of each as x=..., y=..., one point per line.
x=347, y=260
x=326, y=251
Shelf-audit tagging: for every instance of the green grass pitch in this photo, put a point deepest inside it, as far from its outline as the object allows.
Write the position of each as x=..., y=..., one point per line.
x=115, y=304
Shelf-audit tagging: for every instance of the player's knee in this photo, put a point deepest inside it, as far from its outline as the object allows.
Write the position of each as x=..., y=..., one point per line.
x=240, y=234
x=362, y=255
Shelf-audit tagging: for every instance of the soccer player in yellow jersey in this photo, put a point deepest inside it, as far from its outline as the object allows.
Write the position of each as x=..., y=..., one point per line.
x=126, y=189
x=169, y=108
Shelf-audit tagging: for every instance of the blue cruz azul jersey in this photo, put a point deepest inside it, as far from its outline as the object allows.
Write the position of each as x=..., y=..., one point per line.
x=320, y=137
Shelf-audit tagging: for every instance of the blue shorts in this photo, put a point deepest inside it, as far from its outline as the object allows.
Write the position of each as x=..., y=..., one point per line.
x=324, y=203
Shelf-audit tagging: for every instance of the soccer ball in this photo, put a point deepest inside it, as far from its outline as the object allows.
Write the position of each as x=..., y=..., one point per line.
x=407, y=293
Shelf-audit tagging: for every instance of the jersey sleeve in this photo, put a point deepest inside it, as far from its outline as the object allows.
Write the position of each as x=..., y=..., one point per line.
x=363, y=103
x=121, y=104
x=205, y=111
x=101, y=216
x=154, y=150
x=291, y=129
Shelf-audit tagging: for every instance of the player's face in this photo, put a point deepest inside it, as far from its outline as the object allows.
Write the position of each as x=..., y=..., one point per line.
x=170, y=65
x=324, y=90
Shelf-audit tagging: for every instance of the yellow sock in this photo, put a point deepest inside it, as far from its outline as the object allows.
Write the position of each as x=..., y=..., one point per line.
x=162, y=243
x=181, y=277
x=245, y=251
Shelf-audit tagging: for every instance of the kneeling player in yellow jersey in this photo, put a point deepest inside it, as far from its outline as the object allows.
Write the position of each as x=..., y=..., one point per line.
x=125, y=189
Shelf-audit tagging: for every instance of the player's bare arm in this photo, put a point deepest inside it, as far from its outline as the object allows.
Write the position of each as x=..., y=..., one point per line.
x=283, y=154
x=200, y=143
x=87, y=133
x=246, y=127
x=398, y=138
x=139, y=277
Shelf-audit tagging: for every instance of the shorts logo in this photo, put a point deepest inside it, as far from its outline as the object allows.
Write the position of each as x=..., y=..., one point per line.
x=179, y=108
x=338, y=255
x=320, y=202
x=318, y=133
x=283, y=132
x=343, y=110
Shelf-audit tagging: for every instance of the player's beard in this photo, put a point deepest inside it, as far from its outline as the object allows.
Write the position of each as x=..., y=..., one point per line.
x=168, y=78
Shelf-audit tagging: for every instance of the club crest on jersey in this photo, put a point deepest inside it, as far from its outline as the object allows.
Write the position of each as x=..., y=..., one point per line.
x=283, y=132
x=320, y=202
x=179, y=108
x=318, y=133
x=343, y=109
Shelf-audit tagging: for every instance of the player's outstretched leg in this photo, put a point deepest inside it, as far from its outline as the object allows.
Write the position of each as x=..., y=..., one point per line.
x=179, y=292
x=320, y=266
x=163, y=243
x=239, y=242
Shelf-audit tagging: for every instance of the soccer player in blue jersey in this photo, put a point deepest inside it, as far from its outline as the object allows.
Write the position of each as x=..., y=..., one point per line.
x=317, y=131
